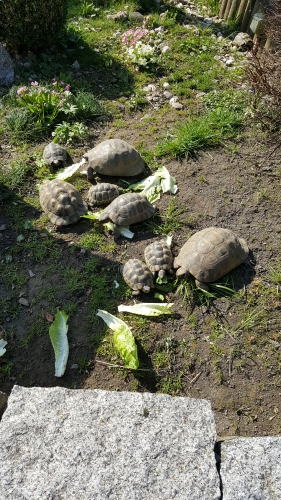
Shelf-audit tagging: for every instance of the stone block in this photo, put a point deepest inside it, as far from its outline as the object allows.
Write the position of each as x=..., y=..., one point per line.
x=64, y=444
x=251, y=468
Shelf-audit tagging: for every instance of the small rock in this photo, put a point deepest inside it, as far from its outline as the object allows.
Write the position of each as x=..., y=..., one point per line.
x=230, y=61
x=166, y=85
x=136, y=16
x=160, y=29
x=208, y=20
x=200, y=94
x=23, y=302
x=174, y=99
x=165, y=49
x=3, y=227
x=177, y=105
x=167, y=94
x=75, y=65
x=74, y=367
x=219, y=34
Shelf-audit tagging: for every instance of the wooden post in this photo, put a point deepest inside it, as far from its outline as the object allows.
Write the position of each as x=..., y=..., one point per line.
x=247, y=15
x=228, y=7
x=234, y=7
x=241, y=9
x=222, y=9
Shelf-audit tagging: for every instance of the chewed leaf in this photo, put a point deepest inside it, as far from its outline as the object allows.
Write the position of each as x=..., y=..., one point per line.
x=70, y=171
x=58, y=336
x=161, y=180
x=123, y=339
x=92, y=215
x=3, y=343
x=147, y=309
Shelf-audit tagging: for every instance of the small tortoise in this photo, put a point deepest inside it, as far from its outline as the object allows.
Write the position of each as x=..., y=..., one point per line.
x=137, y=276
x=114, y=157
x=102, y=194
x=62, y=202
x=128, y=208
x=159, y=258
x=210, y=254
x=55, y=156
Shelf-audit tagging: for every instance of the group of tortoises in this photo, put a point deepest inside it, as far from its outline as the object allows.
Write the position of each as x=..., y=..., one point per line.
x=208, y=255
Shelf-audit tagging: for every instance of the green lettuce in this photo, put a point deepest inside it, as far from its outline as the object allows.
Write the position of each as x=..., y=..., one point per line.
x=153, y=309
x=123, y=339
x=58, y=336
x=152, y=186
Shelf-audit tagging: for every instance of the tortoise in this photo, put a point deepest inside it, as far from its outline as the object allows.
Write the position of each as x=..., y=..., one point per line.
x=210, y=254
x=114, y=157
x=158, y=257
x=56, y=156
x=103, y=193
x=128, y=208
x=138, y=276
x=62, y=202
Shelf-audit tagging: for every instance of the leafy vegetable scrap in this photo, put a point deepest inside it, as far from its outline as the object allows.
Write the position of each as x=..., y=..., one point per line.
x=58, y=335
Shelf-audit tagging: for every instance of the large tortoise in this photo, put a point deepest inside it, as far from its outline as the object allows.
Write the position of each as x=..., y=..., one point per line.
x=56, y=156
x=159, y=258
x=114, y=157
x=210, y=254
x=137, y=276
x=128, y=208
x=62, y=202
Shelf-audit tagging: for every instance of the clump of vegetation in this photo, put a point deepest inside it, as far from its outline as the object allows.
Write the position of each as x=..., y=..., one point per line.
x=31, y=25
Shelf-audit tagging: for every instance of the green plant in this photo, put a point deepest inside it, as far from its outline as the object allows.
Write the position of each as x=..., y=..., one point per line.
x=87, y=105
x=67, y=132
x=46, y=102
x=204, y=131
x=31, y=25
x=21, y=123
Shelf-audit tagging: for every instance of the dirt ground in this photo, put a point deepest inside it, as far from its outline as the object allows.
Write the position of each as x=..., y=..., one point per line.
x=237, y=187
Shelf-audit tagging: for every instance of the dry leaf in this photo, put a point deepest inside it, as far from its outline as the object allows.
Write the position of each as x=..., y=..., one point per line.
x=23, y=302
x=49, y=317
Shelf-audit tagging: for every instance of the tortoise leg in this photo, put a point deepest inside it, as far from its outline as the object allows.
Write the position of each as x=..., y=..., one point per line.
x=116, y=232
x=202, y=285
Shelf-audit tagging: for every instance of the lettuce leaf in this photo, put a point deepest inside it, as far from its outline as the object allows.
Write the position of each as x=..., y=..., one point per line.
x=70, y=171
x=152, y=186
x=58, y=336
x=3, y=343
x=147, y=309
x=123, y=339
x=124, y=230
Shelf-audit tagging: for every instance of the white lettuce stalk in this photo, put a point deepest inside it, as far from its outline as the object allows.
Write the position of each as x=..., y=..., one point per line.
x=147, y=309
x=152, y=186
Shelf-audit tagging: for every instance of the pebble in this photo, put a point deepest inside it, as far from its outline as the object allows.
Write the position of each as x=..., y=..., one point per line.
x=167, y=94
x=166, y=85
x=177, y=105
x=165, y=49
x=174, y=99
x=74, y=367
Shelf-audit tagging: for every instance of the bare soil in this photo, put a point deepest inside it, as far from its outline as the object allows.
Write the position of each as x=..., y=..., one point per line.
x=236, y=187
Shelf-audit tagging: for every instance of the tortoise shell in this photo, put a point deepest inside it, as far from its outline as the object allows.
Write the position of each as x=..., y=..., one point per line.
x=137, y=276
x=55, y=155
x=158, y=257
x=210, y=254
x=114, y=157
x=103, y=193
x=128, y=208
x=62, y=202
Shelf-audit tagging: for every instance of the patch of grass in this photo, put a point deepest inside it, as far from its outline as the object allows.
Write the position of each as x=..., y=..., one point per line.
x=204, y=131
x=38, y=328
x=95, y=240
x=170, y=220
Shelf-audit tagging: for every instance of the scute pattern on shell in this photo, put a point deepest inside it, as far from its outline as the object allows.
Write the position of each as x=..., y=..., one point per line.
x=54, y=154
x=62, y=202
x=158, y=256
x=137, y=275
x=103, y=193
x=114, y=157
x=211, y=253
x=128, y=208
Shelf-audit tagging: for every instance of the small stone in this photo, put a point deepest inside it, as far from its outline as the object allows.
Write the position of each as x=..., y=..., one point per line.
x=75, y=65
x=74, y=367
x=177, y=105
x=166, y=85
x=200, y=94
x=165, y=49
x=160, y=29
x=136, y=16
x=219, y=34
x=167, y=94
x=229, y=61
x=23, y=302
x=174, y=99
x=208, y=20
